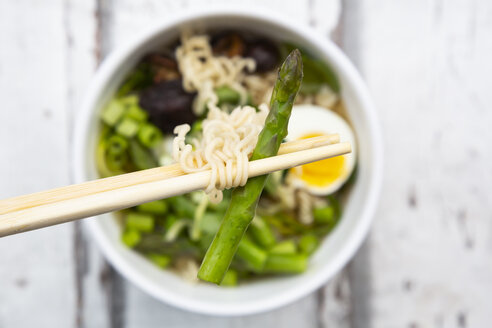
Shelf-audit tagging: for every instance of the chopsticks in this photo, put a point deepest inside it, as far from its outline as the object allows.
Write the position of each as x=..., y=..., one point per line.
x=46, y=208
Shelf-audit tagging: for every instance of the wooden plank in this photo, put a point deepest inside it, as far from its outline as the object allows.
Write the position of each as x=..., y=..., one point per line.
x=96, y=285
x=36, y=270
x=428, y=66
x=144, y=311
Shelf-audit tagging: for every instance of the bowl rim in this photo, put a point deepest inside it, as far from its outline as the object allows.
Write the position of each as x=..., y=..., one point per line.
x=355, y=239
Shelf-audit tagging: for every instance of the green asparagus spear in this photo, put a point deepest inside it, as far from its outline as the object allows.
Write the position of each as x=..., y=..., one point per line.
x=244, y=199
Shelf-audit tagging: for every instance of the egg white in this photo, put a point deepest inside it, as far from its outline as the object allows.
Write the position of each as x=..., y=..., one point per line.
x=308, y=119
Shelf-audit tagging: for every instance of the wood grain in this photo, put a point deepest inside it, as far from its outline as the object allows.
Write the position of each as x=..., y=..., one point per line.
x=36, y=271
x=79, y=190
x=428, y=66
x=127, y=190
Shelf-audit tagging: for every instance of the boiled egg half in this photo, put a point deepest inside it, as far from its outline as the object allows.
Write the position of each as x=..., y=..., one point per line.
x=326, y=176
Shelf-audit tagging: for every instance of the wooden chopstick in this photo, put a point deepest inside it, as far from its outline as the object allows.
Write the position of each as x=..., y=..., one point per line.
x=106, y=195
x=130, y=179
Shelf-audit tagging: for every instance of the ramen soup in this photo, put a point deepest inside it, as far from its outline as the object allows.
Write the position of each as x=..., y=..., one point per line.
x=201, y=102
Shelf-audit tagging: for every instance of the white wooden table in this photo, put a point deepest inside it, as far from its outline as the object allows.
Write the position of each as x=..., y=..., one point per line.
x=428, y=259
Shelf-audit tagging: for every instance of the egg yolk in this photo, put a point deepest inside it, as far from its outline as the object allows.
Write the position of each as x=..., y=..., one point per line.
x=321, y=173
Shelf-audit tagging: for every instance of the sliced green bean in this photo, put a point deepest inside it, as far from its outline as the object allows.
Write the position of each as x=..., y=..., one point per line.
x=230, y=278
x=324, y=215
x=308, y=244
x=250, y=253
x=286, y=263
x=162, y=261
x=284, y=247
x=261, y=232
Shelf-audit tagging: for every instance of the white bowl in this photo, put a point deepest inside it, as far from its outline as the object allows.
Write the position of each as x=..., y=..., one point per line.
x=336, y=249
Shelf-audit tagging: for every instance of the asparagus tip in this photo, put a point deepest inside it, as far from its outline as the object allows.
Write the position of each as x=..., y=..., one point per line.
x=290, y=73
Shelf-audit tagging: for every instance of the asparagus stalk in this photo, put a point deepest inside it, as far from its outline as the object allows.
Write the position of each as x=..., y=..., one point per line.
x=244, y=199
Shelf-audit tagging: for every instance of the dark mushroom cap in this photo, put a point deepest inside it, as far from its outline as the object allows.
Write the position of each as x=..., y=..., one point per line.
x=265, y=53
x=168, y=105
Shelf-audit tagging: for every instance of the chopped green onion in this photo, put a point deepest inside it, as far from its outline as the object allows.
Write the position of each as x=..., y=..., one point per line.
x=250, y=253
x=308, y=244
x=136, y=113
x=149, y=135
x=116, y=144
x=141, y=157
x=131, y=238
x=284, y=247
x=261, y=232
x=158, y=207
x=113, y=112
x=160, y=260
x=105, y=167
x=324, y=215
x=140, y=222
x=127, y=127
x=116, y=161
x=286, y=263
x=129, y=101
x=230, y=278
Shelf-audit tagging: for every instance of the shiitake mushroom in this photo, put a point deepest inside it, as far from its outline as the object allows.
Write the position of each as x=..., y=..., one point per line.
x=265, y=53
x=228, y=43
x=168, y=104
x=163, y=67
